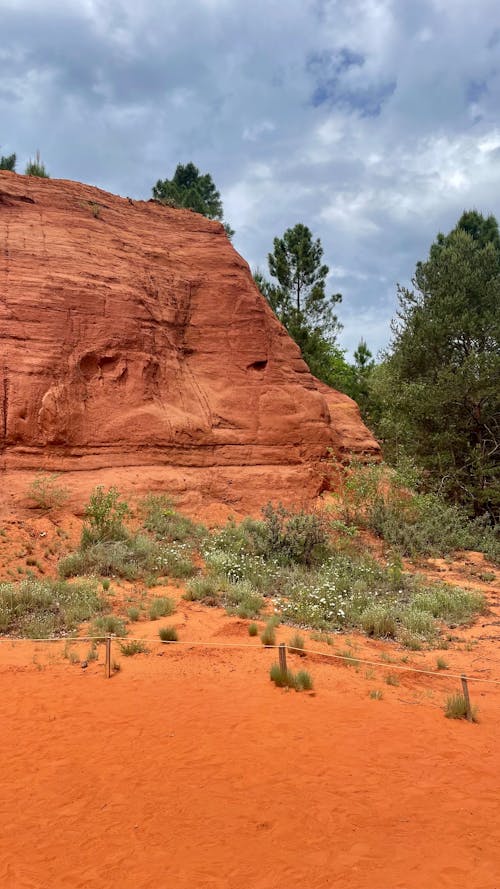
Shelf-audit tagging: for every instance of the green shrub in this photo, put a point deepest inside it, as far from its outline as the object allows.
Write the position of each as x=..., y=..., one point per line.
x=349, y=659
x=199, y=587
x=106, y=584
x=441, y=664
x=47, y=493
x=253, y=630
x=418, y=622
x=168, y=634
x=107, y=625
x=162, y=520
x=268, y=635
x=42, y=608
x=379, y=620
x=161, y=607
x=303, y=681
x=36, y=168
x=290, y=537
x=133, y=614
x=282, y=678
x=104, y=516
x=296, y=645
x=416, y=524
x=135, y=646
x=456, y=708
x=391, y=679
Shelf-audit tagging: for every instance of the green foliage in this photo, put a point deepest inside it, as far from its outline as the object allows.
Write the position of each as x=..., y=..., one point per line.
x=162, y=520
x=299, y=298
x=199, y=588
x=36, y=168
x=456, y=708
x=104, y=513
x=133, y=614
x=8, y=162
x=379, y=620
x=268, y=635
x=414, y=524
x=43, y=608
x=161, y=607
x=438, y=388
x=303, y=681
x=46, y=492
x=253, y=630
x=284, y=535
x=168, y=634
x=441, y=664
x=107, y=625
x=297, y=645
x=193, y=190
x=135, y=646
x=282, y=678
x=376, y=695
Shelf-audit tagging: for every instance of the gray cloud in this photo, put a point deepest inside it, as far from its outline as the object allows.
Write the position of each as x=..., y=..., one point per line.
x=374, y=122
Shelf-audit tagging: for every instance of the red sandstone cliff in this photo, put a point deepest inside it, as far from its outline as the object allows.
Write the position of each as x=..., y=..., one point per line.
x=132, y=334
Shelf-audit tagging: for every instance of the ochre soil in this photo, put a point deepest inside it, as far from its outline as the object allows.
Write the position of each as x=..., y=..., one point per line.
x=189, y=769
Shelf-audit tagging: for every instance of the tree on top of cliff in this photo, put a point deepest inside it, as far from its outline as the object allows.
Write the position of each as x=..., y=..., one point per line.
x=439, y=382
x=193, y=190
x=8, y=162
x=300, y=301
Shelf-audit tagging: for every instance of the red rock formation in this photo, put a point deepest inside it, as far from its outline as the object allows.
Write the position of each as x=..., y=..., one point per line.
x=133, y=334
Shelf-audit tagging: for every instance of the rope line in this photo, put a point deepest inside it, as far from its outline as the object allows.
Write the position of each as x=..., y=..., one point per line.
x=443, y=674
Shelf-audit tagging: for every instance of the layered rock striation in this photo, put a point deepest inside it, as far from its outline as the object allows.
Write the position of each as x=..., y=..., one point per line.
x=133, y=334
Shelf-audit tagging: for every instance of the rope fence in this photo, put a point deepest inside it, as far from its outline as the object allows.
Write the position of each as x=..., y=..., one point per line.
x=282, y=649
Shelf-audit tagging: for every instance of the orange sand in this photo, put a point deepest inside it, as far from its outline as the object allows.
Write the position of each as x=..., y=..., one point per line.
x=189, y=769
x=192, y=770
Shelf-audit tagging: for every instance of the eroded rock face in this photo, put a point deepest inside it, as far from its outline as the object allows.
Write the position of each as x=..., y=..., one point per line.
x=132, y=334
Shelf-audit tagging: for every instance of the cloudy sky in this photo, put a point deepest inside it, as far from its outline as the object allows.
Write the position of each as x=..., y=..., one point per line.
x=374, y=122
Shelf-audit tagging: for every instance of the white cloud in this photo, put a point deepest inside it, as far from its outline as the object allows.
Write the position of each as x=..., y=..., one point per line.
x=375, y=122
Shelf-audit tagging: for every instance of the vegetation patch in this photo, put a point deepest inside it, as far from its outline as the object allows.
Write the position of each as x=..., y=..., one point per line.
x=135, y=646
x=44, y=608
x=168, y=634
x=456, y=708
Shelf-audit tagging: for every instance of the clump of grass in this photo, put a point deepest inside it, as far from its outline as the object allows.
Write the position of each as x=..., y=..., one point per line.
x=268, y=635
x=92, y=653
x=348, y=658
x=162, y=520
x=199, y=588
x=253, y=630
x=391, y=679
x=133, y=614
x=107, y=625
x=304, y=681
x=282, y=678
x=375, y=694
x=44, y=608
x=106, y=584
x=168, y=634
x=297, y=645
x=456, y=708
x=441, y=663
x=161, y=607
x=135, y=646
x=379, y=620
x=47, y=493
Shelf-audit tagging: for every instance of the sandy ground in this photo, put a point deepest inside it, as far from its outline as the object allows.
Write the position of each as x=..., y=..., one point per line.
x=188, y=768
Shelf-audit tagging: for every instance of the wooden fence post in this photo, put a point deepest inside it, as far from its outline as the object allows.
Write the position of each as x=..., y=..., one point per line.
x=282, y=656
x=467, y=698
x=108, y=658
